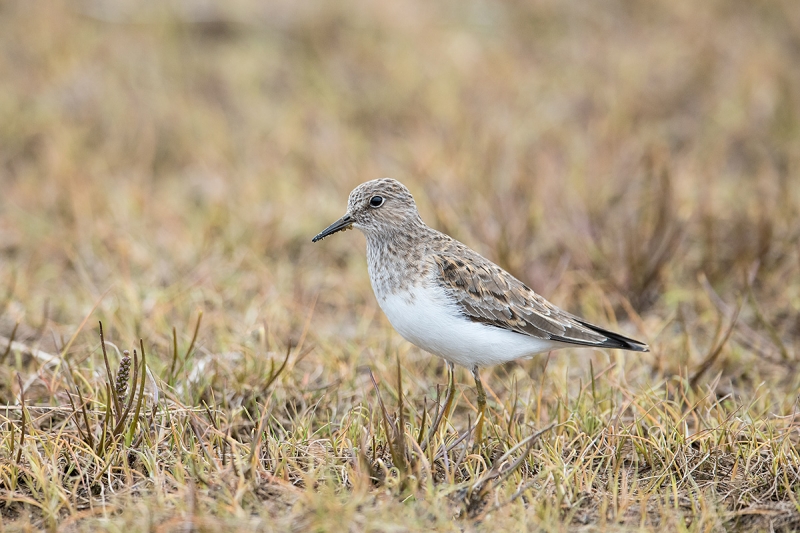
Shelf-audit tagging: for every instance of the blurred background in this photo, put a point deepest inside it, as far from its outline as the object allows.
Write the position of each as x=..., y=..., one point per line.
x=165, y=164
x=635, y=162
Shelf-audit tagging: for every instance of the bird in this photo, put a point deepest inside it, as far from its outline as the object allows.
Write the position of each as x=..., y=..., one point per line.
x=449, y=300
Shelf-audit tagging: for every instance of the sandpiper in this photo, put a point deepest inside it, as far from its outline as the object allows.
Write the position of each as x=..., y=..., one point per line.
x=449, y=300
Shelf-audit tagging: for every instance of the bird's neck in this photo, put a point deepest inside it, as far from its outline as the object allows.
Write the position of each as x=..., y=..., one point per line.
x=396, y=259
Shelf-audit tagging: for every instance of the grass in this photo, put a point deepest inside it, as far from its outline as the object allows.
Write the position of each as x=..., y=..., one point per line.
x=163, y=167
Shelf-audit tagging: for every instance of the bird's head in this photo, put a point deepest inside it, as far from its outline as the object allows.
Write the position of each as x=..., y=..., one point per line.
x=377, y=207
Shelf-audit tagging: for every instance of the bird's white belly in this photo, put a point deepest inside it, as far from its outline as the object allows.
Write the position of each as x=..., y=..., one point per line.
x=425, y=317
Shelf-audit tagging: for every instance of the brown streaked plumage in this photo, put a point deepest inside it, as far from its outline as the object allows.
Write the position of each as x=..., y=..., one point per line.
x=449, y=300
x=488, y=294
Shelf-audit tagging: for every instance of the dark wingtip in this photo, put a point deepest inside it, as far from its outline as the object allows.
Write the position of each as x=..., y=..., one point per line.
x=636, y=346
x=615, y=340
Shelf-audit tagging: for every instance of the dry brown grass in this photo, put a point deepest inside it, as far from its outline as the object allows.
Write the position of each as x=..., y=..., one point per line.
x=636, y=162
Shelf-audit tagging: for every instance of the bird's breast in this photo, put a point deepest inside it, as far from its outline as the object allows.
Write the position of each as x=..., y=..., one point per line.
x=391, y=270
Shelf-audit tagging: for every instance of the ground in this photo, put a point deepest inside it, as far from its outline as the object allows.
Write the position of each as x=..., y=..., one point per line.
x=164, y=165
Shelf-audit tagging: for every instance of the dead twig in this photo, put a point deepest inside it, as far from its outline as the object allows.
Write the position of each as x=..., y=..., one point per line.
x=22, y=423
x=10, y=343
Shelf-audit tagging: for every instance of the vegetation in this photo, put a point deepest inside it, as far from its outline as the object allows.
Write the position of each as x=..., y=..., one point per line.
x=164, y=165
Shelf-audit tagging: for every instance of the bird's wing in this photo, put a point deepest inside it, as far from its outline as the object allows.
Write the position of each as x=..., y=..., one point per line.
x=486, y=293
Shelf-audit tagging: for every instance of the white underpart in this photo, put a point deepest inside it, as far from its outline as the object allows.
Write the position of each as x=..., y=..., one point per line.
x=427, y=318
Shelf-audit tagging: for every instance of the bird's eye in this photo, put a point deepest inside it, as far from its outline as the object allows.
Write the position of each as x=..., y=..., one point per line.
x=376, y=201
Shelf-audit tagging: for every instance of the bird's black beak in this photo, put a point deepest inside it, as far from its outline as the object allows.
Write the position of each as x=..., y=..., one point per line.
x=342, y=224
